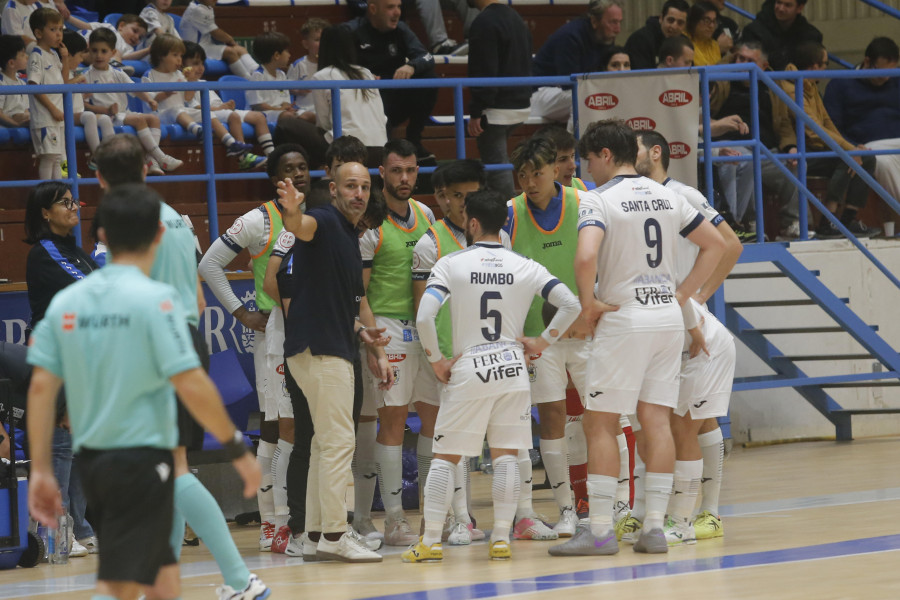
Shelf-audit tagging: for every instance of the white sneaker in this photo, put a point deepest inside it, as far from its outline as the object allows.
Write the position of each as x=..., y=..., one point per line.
x=295, y=545
x=77, y=550
x=308, y=548
x=567, y=523
x=372, y=544
x=93, y=547
x=255, y=590
x=266, y=535
x=349, y=548
x=533, y=528
x=366, y=528
x=397, y=532
x=170, y=163
x=153, y=167
x=679, y=532
x=459, y=535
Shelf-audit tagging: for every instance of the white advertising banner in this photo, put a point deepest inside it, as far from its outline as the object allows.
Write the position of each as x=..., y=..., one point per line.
x=667, y=103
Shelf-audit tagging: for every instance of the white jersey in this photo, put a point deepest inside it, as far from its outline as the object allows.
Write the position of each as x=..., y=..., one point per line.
x=214, y=98
x=173, y=103
x=274, y=98
x=14, y=20
x=688, y=251
x=425, y=254
x=642, y=221
x=110, y=75
x=495, y=284
x=301, y=70
x=12, y=104
x=197, y=22
x=157, y=20
x=362, y=111
x=44, y=68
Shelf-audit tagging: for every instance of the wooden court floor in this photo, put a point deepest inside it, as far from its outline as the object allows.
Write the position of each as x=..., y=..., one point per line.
x=809, y=520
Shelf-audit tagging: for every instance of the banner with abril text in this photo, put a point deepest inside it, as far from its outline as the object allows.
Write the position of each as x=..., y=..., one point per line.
x=665, y=102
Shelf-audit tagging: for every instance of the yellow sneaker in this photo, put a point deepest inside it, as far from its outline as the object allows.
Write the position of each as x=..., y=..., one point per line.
x=628, y=529
x=500, y=550
x=707, y=526
x=419, y=552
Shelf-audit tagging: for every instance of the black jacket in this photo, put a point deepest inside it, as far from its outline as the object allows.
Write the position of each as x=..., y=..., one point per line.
x=499, y=46
x=385, y=52
x=779, y=43
x=52, y=264
x=643, y=45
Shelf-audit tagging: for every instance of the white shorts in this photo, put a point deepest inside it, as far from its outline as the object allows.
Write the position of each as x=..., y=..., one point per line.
x=214, y=51
x=632, y=366
x=49, y=140
x=278, y=400
x=272, y=116
x=169, y=116
x=370, y=388
x=706, y=381
x=222, y=115
x=414, y=379
x=549, y=372
x=261, y=370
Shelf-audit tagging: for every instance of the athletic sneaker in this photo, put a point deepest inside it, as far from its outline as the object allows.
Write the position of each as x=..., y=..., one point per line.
x=77, y=550
x=153, y=167
x=568, y=520
x=294, y=546
x=281, y=540
x=190, y=538
x=679, y=532
x=652, y=542
x=238, y=149
x=93, y=547
x=419, y=552
x=585, y=543
x=266, y=535
x=707, y=526
x=500, y=550
x=251, y=161
x=349, y=548
x=477, y=534
x=169, y=163
x=308, y=548
x=532, y=528
x=621, y=509
x=397, y=532
x=628, y=529
x=92, y=164
x=460, y=535
x=64, y=170
x=583, y=509
x=255, y=590
x=366, y=528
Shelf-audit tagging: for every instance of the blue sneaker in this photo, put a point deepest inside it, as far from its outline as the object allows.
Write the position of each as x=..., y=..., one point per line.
x=251, y=161
x=238, y=149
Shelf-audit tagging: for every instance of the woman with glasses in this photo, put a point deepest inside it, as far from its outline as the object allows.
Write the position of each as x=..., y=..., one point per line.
x=54, y=262
x=702, y=21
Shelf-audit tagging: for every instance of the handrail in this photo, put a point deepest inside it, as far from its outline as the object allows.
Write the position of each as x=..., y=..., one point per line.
x=889, y=10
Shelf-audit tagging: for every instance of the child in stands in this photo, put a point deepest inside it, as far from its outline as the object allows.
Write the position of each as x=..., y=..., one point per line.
x=14, y=20
x=154, y=14
x=165, y=56
x=272, y=51
x=93, y=123
x=13, y=59
x=45, y=68
x=304, y=67
x=132, y=31
x=102, y=47
x=198, y=24
x=193, y=61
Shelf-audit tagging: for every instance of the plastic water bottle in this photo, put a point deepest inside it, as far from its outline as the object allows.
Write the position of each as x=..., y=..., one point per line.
x=58, y=546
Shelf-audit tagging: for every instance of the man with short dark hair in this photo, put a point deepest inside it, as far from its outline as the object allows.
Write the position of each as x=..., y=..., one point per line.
x=390, y=50
x=643, y=45
x=866, y=111
x=675, y=52
x=781, y=27
x=576, y=47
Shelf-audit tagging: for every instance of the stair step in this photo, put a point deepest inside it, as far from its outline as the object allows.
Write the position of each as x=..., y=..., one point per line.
x=866, y=411
x=764, y=303
x=784, y=330
x=859, y=384
x=811, y=357
x=763, y=275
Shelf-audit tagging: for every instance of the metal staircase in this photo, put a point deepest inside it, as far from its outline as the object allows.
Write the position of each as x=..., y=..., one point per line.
x=786, y=367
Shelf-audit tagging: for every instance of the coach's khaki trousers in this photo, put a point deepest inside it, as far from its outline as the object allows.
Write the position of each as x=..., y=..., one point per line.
x=327, y=382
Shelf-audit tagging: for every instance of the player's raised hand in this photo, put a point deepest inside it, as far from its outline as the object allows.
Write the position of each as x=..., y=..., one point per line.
x=291, y=197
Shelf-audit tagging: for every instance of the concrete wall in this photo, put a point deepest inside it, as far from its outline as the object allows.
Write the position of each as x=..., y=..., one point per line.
x=782, y=413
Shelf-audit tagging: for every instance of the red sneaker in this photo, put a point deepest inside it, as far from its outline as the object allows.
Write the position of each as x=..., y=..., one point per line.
x=281, y=539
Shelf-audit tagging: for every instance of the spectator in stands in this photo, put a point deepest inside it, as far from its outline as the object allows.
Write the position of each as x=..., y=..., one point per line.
x=390, y=50
x=194, y=61
x=733, y=98
x=676, y=52
x=198, y=24
x=304, y=67
x=165, y=56
x=14, y=19
x=13, y=59
x=500, y=46
x=272, y=50
x=147, y=126
x=431, y=15
x=615, y=58
x=132, y=31
x=121, y=47
x=45, y=67
x=843, y=184
x=564, y=142
x=157, y=20
x=644, y=44
x=867, y=111
x=702, y=21
x=781, y=27
x=727, y=31
x=576, y=47
x=362, y=111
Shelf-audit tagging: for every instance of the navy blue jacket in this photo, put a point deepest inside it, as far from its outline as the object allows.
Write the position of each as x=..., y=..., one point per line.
x=863, y=112
x=573, y=48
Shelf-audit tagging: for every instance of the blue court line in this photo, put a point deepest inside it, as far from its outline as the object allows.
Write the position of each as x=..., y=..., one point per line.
x=649, y=571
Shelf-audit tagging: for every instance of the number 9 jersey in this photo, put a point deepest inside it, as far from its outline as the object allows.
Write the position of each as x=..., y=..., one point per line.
x=636, y=265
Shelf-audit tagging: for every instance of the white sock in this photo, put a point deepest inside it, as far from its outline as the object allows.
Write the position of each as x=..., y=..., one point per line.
x=195, y=128
x=49, y=166
x=156, y=132
x=106, y=126
x=460, y=502
x=524, y=509
x=227, y=140
x=91, y=134
x=152, y=148
x=623, y=488
x=424, y=455
x=365, y=470
x=265, y=141
x=438, y=494
x=504, y=489
x=712, y=445
x=601, y=492
x=280, y=462
x=390, y=478
x=264, y=494
x=240, y=69
x=640, y=478
x=685, y=488
x=553, y=453
x=576, y=443
x=657, y=488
